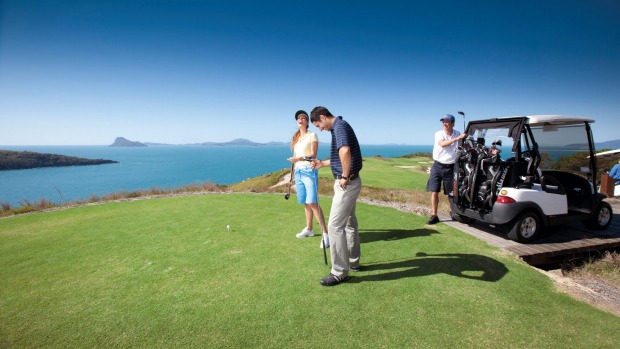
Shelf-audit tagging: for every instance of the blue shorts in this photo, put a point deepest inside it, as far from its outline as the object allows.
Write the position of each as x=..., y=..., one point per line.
x=440, y=173
x=306, y=180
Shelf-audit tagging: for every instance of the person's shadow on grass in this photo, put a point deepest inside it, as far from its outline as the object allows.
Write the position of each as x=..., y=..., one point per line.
x=470, y=266
x=367, y=236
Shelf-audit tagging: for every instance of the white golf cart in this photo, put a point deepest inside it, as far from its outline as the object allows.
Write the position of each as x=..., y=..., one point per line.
x=509, y=184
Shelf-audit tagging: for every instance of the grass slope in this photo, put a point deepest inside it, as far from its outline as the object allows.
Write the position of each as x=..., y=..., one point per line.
x=392, y=173
x=166, y=273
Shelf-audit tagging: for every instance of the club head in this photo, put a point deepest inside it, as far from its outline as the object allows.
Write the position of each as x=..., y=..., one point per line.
x=287, y=196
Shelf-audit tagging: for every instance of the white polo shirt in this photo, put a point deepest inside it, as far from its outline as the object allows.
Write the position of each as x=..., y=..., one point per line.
x=447, y=154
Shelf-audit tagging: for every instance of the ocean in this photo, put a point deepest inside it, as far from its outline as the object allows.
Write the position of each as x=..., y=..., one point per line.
x=161, y=166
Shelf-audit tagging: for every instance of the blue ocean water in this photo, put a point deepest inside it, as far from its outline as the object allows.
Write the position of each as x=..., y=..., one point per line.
x=164, y=167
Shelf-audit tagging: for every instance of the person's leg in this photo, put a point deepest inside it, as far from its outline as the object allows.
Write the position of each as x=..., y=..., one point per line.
x=434, y=185
x=434, y=203
x=300, y=188
x=302, y=198
x=308, y=209
x=448, y=181
x=352, y=232
x=313, y=199
x=318, y=214
x=343, y=205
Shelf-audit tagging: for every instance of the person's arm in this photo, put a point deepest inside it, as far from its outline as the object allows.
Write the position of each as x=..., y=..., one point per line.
x=445, y=143
x=316, y=163
x=345, y=159
x=295, y=158
x=314, y=149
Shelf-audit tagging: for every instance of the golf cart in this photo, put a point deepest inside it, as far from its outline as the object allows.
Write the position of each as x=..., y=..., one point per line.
x=508, y=184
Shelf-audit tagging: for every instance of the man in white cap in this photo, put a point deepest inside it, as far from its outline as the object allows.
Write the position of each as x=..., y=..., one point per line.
x=444, y=156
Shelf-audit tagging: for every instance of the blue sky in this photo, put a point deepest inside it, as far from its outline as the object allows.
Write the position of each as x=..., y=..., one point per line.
x=85, y=72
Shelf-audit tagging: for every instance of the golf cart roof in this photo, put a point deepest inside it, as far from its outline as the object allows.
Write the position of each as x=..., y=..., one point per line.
x=608, y=153
x=541, y=120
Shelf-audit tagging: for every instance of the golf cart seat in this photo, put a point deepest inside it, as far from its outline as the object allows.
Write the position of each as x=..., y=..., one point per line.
x=551, y=185
x=577, y=189
x=516, y=171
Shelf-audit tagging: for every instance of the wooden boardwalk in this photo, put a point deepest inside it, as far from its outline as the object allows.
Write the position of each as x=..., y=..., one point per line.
x=559, y=243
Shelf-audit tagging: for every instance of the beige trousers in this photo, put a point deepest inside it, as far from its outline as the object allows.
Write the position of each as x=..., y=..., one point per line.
x=344, y=237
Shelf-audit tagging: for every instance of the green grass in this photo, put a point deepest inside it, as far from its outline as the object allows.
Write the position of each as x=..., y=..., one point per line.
x=166, y=273
x=385, y=173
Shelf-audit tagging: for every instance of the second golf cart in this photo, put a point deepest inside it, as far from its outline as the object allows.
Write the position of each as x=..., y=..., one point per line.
x=501, y=176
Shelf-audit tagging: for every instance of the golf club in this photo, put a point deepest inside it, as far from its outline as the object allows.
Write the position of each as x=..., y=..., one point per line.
x=316, y=177
x=460, y=112
x=288, y=195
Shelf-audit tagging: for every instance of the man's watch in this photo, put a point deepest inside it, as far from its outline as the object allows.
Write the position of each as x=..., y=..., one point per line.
x=346, y=178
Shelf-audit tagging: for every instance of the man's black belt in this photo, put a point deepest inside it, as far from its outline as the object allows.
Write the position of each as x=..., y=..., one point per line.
x=444, y=165
x=351, y=176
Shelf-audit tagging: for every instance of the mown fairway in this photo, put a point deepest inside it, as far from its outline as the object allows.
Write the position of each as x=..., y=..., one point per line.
x=166, y=273
x=392, y=173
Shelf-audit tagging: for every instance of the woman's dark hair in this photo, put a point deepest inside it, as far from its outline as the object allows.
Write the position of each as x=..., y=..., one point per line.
x=314, y=117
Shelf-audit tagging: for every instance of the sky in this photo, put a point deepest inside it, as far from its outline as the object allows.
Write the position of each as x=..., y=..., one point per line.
x=188, y=71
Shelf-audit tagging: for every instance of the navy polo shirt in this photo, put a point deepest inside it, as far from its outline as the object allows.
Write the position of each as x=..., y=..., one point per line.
x=343, y=135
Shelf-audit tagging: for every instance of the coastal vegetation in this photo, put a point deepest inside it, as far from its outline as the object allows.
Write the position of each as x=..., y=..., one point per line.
x=20, y=160
x=577, y=160
x=400, y=180
x=604, y=266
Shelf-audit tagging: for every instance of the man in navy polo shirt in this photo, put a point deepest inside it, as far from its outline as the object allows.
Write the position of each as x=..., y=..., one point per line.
x=346, y=163
x=444, y=156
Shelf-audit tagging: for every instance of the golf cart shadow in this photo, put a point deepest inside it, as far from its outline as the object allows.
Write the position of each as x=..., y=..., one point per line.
x=367, y=236
x=469, y=266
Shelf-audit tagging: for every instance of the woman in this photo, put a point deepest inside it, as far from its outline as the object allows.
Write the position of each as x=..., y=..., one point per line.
x=305, y=145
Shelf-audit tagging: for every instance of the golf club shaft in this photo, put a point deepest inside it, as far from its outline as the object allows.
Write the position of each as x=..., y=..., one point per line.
x=316, y=177
x=290, y=182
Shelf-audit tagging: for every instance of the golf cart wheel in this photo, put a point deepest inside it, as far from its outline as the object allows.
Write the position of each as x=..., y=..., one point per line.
x=462, y=219
x=602, y=217
x=526, y=227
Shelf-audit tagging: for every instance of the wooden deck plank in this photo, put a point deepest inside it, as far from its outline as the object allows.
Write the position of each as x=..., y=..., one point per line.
x=565, y=241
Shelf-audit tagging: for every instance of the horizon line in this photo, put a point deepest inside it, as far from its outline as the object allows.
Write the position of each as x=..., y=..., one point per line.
x=153, y=144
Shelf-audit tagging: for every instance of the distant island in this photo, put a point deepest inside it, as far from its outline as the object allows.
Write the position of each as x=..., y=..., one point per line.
x=615, y=144
x=22, y=160
x=240, y=141
x=123, y=142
